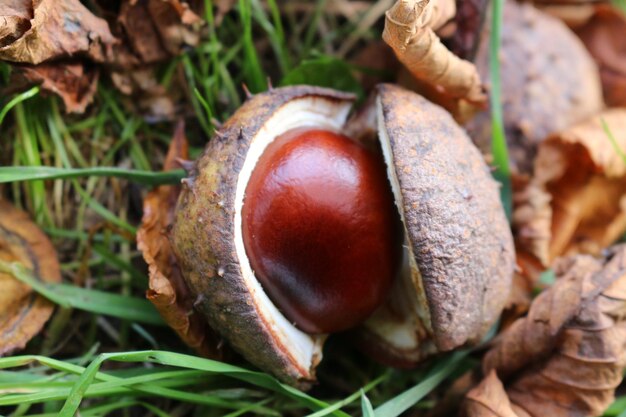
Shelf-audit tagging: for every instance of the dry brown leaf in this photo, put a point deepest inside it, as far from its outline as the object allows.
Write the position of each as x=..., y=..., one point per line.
x=489, y=399
x=168, y=290
x=576, y=200
x=145, y=32
x=58, y=28
x=16, y=15
x=22, y=312
x=150, y=31
x=567, y=356
x=409, y=31
x=74, y=83
x=604, y=36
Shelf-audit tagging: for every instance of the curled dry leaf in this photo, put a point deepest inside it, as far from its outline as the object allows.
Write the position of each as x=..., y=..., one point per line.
x=55, y=28
x=604, y=36
x=576, y=200
x=168, y=291
x=23, y=312
x=74, y=83
x=567, y=356
x=409, y=31
x=549, y=82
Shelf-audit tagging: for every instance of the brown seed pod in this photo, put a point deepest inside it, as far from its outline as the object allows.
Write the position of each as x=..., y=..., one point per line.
x=458, y=252
x=549, y=82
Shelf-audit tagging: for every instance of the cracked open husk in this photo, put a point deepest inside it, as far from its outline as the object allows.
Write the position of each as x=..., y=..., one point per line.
x=458, y=247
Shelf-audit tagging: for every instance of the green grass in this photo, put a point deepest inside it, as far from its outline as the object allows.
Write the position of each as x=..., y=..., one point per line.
x=70, y=383
x=31, y=173
x=498, y=140
x=82, y=178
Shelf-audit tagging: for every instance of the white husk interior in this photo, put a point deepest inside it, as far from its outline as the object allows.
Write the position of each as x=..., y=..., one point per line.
x=407, y=296
x=304, y=349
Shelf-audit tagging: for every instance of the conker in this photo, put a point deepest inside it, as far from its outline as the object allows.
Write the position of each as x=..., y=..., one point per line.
x=321, y=229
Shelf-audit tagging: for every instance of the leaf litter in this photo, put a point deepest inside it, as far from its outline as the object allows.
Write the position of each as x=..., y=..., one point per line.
x=561, y=353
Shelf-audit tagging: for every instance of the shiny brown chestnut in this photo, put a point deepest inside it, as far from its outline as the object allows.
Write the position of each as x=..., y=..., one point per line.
x=321, y=229
x=287, y=230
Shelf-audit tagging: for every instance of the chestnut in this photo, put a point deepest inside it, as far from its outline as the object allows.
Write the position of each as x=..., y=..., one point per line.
x=298, y=221
x=321, y=229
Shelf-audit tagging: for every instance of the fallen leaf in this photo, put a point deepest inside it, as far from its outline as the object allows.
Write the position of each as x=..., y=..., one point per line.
x=23, y=312
x=58, y=28
x=576, y=199
x=489, y=399
x=167, y=288
x=150, y=31
x=74, y=83
x=604, y=35
x=16, y=15
x=567, y=357
x=61, y=37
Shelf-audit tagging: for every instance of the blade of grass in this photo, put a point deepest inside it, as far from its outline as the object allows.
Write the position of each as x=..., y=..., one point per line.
x=16, y=100
x=255, y=78
x=399, y=404
x=94, y=301
x=498, y=142
x=366, y=406
x=31, y=173
x=273, y=30
x=249, y=408
x=159, y=384
x=189, y=362
x=355, y=396
x=137, y=381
